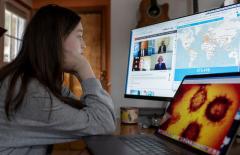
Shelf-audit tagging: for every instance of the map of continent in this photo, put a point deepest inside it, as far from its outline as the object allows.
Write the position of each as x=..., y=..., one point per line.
x=209, y=45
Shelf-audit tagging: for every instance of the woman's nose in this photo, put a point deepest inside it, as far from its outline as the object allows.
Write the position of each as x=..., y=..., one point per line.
x=83, y=44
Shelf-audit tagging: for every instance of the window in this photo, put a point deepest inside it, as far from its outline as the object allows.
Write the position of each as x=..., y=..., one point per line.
x=15, y=25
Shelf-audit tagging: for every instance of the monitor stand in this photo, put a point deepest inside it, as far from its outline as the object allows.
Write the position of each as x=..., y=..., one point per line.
x=150, y=117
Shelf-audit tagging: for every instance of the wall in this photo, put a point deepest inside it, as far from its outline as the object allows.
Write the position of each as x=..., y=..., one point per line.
x=206, y=4
x=124, y=15
x=71, y=3
x=27, y=2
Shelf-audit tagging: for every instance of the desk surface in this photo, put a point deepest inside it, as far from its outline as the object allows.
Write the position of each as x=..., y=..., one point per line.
x=80, y=148
x=122, y=129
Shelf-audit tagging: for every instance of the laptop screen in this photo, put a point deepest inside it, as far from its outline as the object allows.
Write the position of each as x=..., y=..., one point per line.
x=204, y=113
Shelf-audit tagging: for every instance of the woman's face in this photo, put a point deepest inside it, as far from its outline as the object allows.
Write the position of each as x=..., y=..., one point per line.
x=160, y=59
x=74, y=41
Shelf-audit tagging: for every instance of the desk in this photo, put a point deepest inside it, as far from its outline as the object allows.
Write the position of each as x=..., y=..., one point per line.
x=80, y=148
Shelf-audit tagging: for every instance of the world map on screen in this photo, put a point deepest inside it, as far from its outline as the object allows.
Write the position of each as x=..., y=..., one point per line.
x=212, y=45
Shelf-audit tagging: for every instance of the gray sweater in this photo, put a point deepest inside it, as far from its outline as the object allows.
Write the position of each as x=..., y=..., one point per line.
x=31, y=130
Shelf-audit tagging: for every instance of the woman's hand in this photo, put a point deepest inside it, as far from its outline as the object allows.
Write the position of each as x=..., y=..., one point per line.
x=77, y=64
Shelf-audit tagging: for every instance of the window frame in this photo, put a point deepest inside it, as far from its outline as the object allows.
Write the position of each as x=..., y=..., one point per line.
x=17, y=7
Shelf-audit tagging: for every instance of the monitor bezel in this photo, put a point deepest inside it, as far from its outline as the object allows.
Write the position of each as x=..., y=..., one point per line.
x=148, y=97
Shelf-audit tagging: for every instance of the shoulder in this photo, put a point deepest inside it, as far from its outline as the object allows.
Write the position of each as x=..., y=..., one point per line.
x=35, y=88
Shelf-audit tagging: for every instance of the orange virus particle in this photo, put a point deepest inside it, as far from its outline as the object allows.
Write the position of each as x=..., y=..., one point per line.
x=217, y=109
x=198, y=99
x=192, y=131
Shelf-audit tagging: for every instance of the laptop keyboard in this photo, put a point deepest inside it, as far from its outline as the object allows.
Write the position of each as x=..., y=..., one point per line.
x=145, y=145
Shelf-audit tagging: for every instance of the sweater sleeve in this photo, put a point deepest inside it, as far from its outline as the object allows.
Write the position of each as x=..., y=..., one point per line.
x=38, y=125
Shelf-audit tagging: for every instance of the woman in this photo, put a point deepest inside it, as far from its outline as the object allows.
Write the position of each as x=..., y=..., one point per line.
x=160, y=65
x=35, y=109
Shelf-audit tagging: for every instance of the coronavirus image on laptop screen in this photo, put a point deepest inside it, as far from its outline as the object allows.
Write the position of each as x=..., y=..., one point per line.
x=161, y=55
x=204, y=113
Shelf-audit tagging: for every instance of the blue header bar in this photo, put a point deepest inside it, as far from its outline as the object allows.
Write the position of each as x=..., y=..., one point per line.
x=180, y=73
x=202, y=22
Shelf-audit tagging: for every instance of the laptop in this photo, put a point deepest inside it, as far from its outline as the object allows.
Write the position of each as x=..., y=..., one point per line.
x=202, y=118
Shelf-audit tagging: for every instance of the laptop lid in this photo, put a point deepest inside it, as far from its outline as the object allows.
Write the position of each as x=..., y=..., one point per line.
x=204, y=113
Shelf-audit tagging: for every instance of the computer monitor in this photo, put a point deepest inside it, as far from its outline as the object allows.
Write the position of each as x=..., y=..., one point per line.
x=162, y=54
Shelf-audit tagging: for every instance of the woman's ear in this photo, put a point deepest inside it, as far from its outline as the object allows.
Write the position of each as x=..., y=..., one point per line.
x=2, y=31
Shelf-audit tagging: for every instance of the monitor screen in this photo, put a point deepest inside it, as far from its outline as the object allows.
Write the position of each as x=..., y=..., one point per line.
x=162, y=54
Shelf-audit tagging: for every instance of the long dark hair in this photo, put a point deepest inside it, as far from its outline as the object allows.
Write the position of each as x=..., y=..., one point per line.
x=40, y=56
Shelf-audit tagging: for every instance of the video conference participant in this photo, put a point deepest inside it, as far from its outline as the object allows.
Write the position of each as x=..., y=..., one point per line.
x=143, y=49
x=160, y=65
x=162, y=48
